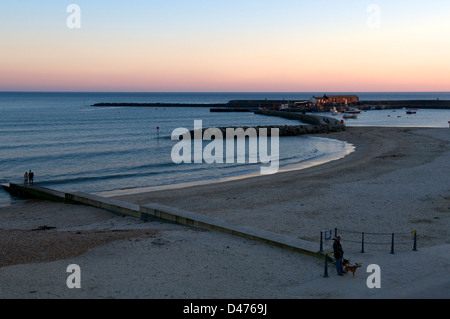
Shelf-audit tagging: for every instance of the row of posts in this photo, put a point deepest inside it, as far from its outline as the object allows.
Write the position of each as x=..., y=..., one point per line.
x=327, y=256
x=362, y=241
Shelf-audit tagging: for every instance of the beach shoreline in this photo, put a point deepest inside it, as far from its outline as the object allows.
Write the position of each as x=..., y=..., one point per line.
x=395, y=181
x=304, y=164
x=318, y=187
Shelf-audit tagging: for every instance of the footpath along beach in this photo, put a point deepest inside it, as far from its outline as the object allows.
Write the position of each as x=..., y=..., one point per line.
x=395, y=181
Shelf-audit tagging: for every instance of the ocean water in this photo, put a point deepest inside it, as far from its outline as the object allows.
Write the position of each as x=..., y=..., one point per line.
x=398, y=118
x=72, y=146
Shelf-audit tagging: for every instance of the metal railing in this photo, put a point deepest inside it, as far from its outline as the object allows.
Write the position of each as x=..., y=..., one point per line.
x=327, y=235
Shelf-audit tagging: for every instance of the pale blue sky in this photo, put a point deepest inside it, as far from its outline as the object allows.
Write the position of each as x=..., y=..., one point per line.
x=261, y=37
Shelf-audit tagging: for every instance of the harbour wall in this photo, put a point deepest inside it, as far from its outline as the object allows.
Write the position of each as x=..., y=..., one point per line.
x=420, y=104
x=271, y=104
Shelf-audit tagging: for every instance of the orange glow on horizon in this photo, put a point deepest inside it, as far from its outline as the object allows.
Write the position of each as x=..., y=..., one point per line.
x=226, y=46
x=358, y=61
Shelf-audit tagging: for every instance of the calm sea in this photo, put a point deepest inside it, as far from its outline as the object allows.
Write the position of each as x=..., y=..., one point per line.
x=72, y=146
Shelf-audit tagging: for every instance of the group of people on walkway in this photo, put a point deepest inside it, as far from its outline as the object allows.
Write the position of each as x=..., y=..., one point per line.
x=28, y=178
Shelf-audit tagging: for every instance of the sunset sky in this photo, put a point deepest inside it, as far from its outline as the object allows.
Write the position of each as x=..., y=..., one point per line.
x=226, y=46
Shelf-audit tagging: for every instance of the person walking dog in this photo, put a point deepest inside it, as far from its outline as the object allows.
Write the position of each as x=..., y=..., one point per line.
x=338, y=255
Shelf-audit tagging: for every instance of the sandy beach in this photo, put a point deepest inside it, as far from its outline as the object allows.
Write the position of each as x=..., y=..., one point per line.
x=395, y=181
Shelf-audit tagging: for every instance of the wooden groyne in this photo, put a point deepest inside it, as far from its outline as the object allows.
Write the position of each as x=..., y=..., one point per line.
x=34, y=191
x=152, y=211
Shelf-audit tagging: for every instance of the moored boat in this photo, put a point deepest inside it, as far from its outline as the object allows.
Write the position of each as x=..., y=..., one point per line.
x=411, y=111
x=353, y=110
x=334, y=111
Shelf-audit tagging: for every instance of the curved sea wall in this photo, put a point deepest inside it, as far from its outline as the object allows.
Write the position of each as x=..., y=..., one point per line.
x=315, y=124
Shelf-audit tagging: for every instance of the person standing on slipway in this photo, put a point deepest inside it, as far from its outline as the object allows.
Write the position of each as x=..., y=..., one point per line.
x=30, y=177
x=338, y=255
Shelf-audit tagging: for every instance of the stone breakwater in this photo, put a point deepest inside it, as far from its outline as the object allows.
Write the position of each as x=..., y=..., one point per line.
x=315, y=125
x=250, y=105
x=305, y=118
x=283, y=130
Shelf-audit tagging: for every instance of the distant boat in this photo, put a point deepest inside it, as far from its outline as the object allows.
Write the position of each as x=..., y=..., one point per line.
x=283, y=107
x=353, y=110
x=411, y=111
x=351, y=113
x=334, y=111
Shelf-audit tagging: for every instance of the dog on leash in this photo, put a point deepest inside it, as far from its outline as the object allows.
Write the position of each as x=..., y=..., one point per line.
x=351, y=268
x=346, y=262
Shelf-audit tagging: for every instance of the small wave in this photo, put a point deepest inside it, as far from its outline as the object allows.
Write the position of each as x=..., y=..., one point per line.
x=87, y=154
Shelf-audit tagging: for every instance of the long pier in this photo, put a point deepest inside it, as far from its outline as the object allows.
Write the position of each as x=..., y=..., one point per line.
x=250, y=105
x=153, y=211
x=230, y=106
x=233, y=104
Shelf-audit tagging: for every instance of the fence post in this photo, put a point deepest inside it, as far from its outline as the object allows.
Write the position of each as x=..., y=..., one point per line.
x=325, y=274
x=335, y=232
x=392, y=244
x=362, y=243
x=415, y=240
x=321, y=243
